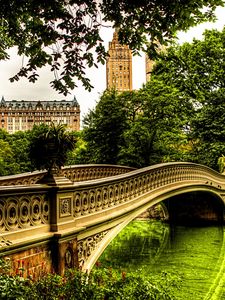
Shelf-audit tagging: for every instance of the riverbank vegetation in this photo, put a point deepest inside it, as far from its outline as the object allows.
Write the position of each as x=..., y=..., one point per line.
x=101, y=284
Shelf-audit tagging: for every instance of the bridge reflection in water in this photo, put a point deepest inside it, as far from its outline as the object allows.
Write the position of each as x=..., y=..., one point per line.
x=69, y=222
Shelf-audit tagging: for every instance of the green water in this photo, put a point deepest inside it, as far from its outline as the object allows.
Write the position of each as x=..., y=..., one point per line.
x=196, y=255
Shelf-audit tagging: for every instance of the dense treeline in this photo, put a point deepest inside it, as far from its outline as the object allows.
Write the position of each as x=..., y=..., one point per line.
x=177, y=116
x=14, y=153
x=26, y=151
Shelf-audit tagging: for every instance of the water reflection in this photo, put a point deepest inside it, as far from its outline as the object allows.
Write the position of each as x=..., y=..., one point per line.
x=194, y=253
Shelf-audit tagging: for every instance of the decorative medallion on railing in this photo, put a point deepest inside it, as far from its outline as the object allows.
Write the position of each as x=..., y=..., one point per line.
x=23, y=211
x=65, y=209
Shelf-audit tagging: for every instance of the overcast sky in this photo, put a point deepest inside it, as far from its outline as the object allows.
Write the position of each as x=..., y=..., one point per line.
x=41, y=90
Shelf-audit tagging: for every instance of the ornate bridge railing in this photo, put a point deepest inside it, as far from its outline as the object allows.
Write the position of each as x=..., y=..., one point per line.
x=24, y=212
x=84, y=212
x=94, y=197
x=74, y=173
x=28, y=206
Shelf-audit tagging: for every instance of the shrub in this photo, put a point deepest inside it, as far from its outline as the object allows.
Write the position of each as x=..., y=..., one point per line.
x=101, y=284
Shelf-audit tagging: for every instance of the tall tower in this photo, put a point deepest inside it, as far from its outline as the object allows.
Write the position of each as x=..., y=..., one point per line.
x=119, y=66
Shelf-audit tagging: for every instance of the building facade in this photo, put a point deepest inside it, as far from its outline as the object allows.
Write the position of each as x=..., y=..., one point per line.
x=119, y=66
x=20, y=115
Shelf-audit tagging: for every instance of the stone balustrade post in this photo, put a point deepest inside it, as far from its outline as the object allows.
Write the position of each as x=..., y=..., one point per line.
x=64, y=246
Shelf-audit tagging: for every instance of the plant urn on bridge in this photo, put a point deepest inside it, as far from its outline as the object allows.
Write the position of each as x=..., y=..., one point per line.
x=49, y=151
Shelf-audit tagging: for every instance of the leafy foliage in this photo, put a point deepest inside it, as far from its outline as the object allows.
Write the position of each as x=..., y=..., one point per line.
x=196, y=68
x=49, y=147
x=14, y=153
x=197, y=71
x=37, y=148
x=178, y=115
x=138, y=128
x=66, y=34
x=100, y=284
x=103, y=129
x=154, y=136
x=208, y=130
x=78, y=155
x=221, y=163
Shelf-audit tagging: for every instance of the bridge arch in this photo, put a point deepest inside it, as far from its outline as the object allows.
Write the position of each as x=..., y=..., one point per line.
x=149, y=202
x=195, y=208
x=81, y=218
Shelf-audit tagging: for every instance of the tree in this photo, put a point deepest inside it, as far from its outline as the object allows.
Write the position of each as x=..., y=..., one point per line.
x=137, y=128
x=103, y=129
x=208, y=130
x=19, y=143
x=78, y=155
x=156, y=134
x=63, y=34
x=198, y=71
x=196, y=68
x=49, y=147
x=14, y=153
x=8, y=165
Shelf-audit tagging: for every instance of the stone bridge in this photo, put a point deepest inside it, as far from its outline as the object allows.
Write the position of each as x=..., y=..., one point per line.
x=69, y=223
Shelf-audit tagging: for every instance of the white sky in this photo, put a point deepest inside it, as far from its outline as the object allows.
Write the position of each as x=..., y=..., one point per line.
x=41, y=90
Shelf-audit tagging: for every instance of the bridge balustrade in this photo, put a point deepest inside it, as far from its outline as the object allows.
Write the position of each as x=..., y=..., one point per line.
x=35, y=213
x=74, y=173
x=24, y=213
x=92, y=197
x=22, y=207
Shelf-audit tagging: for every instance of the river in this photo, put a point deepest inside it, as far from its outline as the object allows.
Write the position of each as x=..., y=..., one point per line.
x=195, y=254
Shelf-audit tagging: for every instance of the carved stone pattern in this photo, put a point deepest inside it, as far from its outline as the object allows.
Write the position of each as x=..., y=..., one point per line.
x=93, y=172
x=4, y=242
x=20, y=179
x=88, y=201
x=19, y=212
x=65, y=207
x=32, y=210
x=86, y=246
x=69, y=258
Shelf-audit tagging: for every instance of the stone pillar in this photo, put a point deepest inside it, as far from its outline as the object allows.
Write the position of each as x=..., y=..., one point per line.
x=64, y=245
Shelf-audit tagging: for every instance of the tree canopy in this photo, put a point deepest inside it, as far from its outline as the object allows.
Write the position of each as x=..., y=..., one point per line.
x=65, y=34
x=197, y=70
x=49, y=146
x=103, y=128
x=178, y=115
x=14, y=153
x=137, y=128
x=43, y=147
